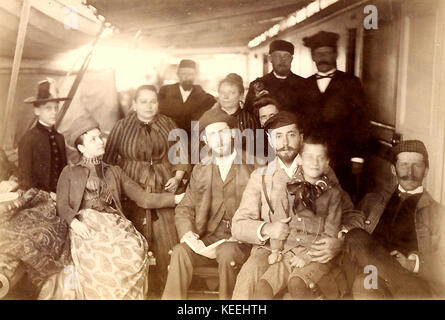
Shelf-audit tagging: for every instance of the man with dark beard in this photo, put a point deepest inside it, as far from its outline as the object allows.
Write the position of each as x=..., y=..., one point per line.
x=260, y=214
x=184, y=101
x=285, y=86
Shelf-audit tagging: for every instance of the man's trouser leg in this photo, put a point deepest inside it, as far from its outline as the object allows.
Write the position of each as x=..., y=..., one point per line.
x=364, y=250
x=230, y=257
x=181, y=271
x=250, y=274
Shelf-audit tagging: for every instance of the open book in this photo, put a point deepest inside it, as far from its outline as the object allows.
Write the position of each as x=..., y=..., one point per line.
x=200, y=248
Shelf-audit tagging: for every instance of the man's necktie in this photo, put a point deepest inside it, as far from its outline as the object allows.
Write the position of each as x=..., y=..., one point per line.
x=319, y=76
x=404, y=195
x=306, y=192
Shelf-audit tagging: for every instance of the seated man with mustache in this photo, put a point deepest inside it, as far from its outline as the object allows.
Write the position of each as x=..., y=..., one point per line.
x=400, y=235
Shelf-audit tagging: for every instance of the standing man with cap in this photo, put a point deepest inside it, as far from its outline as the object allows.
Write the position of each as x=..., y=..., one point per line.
x=210, y=201
x=184, y=101
x=401, y=235
x=41, y=151
x=285, y=86
x=335, y=105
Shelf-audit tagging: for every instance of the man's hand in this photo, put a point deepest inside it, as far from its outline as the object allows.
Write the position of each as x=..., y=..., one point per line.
x=276, y=230
x=189, y=234
x=80, y=229
x=8, y=186
x=300, y=261
x=53, y=196
x=172, y=185
x=404, y=261
x=325, y=249
x=178, y=197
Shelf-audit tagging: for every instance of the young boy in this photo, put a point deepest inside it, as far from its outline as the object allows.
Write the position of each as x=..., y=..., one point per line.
x=41, y=151
x=314, y=210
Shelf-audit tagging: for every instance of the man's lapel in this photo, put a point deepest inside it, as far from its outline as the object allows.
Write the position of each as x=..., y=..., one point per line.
x=204, y=206
x=313, y=83
x=177, y=93
x=331, y=84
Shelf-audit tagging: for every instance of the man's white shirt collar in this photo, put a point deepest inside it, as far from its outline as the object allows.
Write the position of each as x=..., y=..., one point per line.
x=185, y=94
x=224, y=164
x=290, y=171
x=45, y=124
x=323, y=83
x=279, y=77
x=415, y=191
x=326, y=73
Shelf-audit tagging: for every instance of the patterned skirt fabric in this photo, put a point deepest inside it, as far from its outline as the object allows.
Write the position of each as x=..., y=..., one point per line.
x=111, y=264
x=33, y=234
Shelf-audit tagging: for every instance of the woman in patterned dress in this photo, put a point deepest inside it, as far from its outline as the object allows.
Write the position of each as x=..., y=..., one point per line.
x=110, y=257
x=139, y=144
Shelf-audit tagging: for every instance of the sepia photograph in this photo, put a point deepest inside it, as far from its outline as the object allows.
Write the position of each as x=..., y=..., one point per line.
x=223, y=154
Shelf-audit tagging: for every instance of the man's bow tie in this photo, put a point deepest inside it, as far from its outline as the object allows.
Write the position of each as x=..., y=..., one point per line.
x=307, y=193
x=319, y=76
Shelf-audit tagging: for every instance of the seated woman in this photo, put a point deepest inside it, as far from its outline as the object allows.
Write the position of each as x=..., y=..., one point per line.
x=110, y=257
x=32, y=236
x=31, y=233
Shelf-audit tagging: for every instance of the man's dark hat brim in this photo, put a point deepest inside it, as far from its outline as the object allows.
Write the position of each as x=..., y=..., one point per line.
x=46, y=92
x=282, y=119
x=215, y=115
x=321, y=39
x=187, y=63
x=281, y=45
x=35, y=100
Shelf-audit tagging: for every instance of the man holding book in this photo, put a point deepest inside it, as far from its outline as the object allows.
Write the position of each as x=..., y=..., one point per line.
x=205, y=213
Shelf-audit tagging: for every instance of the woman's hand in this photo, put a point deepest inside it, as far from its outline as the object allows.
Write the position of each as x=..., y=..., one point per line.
x=172, y=185
x=80, y=229
x=178, y=197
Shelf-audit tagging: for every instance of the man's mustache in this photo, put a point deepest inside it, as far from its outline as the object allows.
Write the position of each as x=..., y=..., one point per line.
x=410, y=178
x=187, y=84
x=324, y=63
x=287, y=149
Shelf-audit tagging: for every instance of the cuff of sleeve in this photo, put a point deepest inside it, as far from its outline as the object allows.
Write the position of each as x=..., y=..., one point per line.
x=414, y=256
x=263, y=239
x=342, y=233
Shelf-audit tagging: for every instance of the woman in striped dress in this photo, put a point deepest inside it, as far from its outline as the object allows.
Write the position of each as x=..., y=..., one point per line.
x=139, y=145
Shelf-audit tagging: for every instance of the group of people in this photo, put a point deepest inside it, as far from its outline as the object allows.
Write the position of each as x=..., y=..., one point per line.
x=285, y=228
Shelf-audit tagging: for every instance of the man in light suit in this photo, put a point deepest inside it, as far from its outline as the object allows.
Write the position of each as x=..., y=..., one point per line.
x=254, y=222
